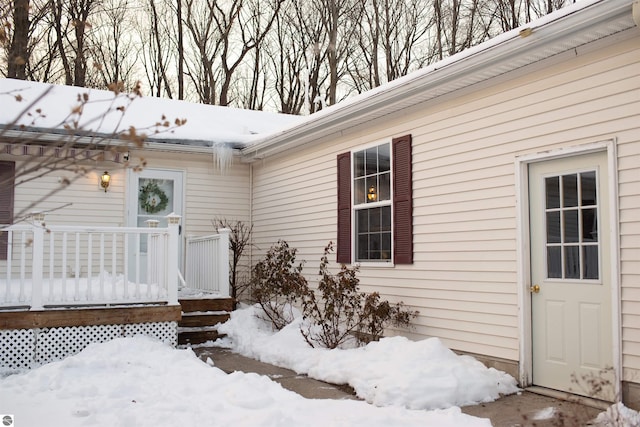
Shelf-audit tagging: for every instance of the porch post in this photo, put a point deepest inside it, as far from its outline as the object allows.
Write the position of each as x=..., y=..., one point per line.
x=173, y=258
x=223, y=262
x=37, y=224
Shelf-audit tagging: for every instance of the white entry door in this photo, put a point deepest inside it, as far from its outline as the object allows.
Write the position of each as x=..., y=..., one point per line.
x=570, y=275
x=154, y=194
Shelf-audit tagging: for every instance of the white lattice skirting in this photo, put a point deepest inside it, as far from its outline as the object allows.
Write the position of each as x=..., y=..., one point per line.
x=24, y=348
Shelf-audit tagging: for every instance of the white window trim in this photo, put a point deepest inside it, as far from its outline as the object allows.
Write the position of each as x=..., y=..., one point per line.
x=354, y=207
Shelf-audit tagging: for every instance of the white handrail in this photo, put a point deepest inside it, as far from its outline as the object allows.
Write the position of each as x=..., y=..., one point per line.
x=207, y=266
x=96, y=258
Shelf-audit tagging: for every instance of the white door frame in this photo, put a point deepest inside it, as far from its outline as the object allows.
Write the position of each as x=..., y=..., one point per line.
x=131, y=197
x=523, y=253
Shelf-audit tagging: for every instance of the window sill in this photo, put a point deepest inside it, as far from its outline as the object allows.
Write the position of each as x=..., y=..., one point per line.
x=374, y=264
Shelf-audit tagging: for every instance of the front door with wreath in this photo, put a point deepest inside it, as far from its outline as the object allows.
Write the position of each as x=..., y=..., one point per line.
x=154, y=194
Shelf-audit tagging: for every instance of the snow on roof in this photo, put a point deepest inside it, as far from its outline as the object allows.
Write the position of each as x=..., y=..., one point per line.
x=205, y=124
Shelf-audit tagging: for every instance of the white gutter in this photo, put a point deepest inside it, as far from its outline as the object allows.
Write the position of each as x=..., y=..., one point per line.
x=34, y=137
x=566, y=29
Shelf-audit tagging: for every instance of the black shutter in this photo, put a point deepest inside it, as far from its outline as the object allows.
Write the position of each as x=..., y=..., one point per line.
x=7, y=180
x=402, y=201
x=343, y=250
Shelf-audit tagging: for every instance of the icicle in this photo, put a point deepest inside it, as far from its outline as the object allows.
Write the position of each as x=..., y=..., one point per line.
x=222, y=156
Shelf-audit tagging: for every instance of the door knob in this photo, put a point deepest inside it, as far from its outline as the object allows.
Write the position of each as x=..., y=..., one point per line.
x=534, y=289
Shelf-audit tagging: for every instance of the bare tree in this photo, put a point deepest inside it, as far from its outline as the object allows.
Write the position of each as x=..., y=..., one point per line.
x=21, y=33
x=287, y=64
x=251, y=23
x=202, y=70
x=256, y=54
x=392, y=40
x=180, y=50
x=114, y=48
x=18, y=52
x=239, y=240
x=157, y=37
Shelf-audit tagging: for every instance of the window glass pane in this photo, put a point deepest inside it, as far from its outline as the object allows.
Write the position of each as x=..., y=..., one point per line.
x=363, y=221
x=362, y=246
x=589, y=225
x=554, y=262
x=571, y=262
x=553, y=227
x=371, y=161
x=358, y=164
x=569, y=190
x=372, y=189
x=375, y=240
x=571, y=226
x=552, y=186
x=386, y=218
x=590, y=257
x=384, y=158
x=588, y=182
x=375, y=219
x=386, y=246
x=359, y=191
x=385, y=186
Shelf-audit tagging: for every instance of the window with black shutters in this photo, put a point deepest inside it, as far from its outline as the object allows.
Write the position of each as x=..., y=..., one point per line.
x=375, y=204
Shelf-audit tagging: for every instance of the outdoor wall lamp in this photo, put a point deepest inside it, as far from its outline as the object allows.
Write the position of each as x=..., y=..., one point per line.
x=371, y=194
x=105, y=180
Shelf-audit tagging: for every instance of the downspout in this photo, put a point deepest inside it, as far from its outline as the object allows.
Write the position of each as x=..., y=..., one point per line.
x=251, y=216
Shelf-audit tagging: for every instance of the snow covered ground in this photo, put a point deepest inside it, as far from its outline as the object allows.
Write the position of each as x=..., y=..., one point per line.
x=141, y=382
x=392, y=372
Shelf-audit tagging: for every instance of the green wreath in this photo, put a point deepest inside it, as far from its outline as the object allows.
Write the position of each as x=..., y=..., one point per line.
x=152, y=198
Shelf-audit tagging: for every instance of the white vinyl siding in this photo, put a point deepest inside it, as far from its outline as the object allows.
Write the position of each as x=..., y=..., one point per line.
x=209, y=193
x=464, y=276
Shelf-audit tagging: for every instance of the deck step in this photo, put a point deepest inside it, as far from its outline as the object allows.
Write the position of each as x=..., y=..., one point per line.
x=206, y=304
x=199, y=318
x=193, y=320
x=198, y=337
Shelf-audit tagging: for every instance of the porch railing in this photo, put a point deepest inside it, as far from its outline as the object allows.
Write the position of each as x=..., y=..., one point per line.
x=207, y=263
x=61, y=266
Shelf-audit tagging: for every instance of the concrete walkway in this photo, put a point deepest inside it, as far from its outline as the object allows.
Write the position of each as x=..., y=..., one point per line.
x=523, y=409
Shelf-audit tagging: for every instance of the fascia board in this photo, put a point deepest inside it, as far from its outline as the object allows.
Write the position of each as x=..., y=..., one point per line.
x=37, y=137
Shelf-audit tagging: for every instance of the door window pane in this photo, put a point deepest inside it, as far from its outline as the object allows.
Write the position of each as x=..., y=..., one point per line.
x=554, y=262
x=553, y=227
x=571, y=262
x=570, y=190
x=571, y=226
x=590, y=262
x=571, y=221
x=588, y=188
x=553, y=192
x=589, y=225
